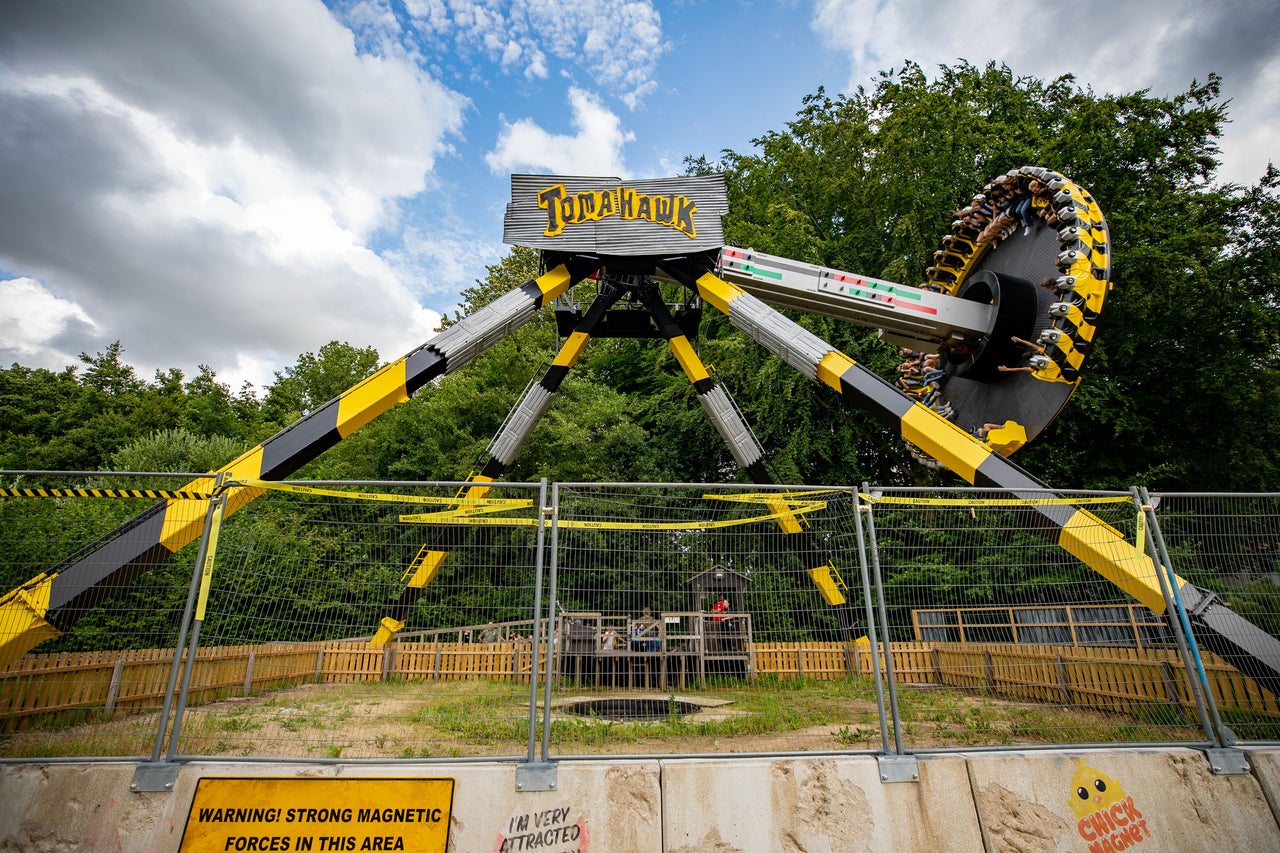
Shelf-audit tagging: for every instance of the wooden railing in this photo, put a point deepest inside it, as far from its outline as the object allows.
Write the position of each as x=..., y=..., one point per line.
x=1100, y=678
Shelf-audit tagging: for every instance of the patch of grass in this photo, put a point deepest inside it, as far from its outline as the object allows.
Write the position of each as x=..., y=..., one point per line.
x=434, y=719
x=237, y=723
x=55, y=722
x=1159, y=714
x=1251, y=725
x=856, y=736
x=478, y=720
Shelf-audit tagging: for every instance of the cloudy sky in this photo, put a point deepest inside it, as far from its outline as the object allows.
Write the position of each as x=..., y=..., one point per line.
x=236, y=182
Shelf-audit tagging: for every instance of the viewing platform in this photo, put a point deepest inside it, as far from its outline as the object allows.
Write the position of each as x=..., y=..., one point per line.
x=665, y=649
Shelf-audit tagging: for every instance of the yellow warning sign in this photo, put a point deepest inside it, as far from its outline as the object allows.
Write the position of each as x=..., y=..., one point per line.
x=320, y=815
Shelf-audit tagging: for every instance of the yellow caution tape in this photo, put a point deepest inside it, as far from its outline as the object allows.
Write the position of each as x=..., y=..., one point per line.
x=374, y=496
x=968, y=502
x=157, y=494
x=480, y=516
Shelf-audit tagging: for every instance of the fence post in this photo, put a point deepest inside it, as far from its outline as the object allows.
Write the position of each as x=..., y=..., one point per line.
x=866, y=542
x=1064, y=682
x=208, y=547
x=1154, y=548
x=319, y=664
x=188, y=611
x=248, y=673
x=552, y=512
x=1170, y=684
x=113, y=690
x=536, y=638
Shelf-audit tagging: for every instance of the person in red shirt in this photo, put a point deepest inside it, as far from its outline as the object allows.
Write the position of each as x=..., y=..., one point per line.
x=720, y=608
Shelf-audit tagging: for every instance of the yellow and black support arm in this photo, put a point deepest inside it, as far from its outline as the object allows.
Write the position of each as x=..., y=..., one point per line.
x=502, y=453
x=48, y=606
x=746, y=450
x=1082, y=534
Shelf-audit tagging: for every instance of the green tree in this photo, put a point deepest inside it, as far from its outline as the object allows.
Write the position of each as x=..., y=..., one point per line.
x=105, y=372
x=316, y=378
x=868, y=181
x=210, y=409
x=176, y=450
x=36, y=406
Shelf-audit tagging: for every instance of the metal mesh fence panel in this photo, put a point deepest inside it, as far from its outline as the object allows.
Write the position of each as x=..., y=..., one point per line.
x=999, y=636
x=348, y=622
x=383, y=621
x=97, y=592
x=688, y=621
x=1229, y=545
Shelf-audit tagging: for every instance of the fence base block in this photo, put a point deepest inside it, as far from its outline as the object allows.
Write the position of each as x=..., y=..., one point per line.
x=898, y=768
x=1227, y=762
x=1166, y=797
x=154, y=776
x=536, y=776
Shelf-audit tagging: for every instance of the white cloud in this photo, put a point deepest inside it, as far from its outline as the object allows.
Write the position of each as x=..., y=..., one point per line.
x=616, y=43
x=431, y=261
x=596, y=148
x=34, y=323
x=220, y=167
x=1114, y=47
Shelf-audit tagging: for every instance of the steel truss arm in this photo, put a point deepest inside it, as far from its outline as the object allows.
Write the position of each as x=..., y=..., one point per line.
x=747, y=452
x=502, y=453
x=51, y=603
x=538, y=398
x=1082, y=534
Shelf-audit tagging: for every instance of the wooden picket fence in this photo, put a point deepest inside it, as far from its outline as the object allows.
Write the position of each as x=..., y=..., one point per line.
x=349, y=661
x=1103, y=678
x=133, y=681
x=912, y=663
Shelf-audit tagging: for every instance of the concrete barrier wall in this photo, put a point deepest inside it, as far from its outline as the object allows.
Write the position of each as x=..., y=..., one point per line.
x=595, y=806
x=1144, y=800
x=813, y=804
x=1118, y=800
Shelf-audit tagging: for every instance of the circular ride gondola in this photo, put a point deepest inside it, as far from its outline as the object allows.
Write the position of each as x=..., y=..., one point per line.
x=1033, y=245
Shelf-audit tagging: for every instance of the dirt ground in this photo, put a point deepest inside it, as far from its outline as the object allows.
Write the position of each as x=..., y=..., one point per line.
x=465, y=719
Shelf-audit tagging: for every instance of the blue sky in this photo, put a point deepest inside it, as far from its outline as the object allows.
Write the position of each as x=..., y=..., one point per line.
x=235, y=182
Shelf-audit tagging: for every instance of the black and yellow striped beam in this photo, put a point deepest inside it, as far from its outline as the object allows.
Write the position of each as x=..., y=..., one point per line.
x=746, y=450
x=1076, y=530
x=1079, y=532
x=528, y=411
x=115, y=561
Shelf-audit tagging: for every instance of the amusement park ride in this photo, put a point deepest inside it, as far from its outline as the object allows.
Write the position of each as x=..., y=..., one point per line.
x=1011, y=307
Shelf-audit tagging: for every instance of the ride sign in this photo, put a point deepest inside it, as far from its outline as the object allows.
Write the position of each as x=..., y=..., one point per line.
x=615, y=217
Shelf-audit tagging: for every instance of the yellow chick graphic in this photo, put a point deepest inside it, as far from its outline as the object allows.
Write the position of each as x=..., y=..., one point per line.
x=1091, y=789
